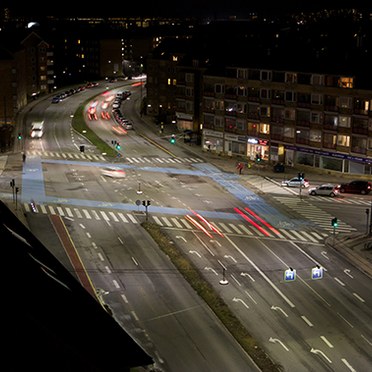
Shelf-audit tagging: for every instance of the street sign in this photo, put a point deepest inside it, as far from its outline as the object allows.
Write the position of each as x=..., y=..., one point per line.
x=290, y=275
x=317, y=272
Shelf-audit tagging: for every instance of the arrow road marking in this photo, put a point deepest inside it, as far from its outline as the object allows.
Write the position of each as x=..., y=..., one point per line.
x=211, y=269
x=246, y=274
x=276, y=340
x=195, y=252
x=347, y=272
x=280, y=309
x=240, y=300
x=316, y=351
x=181, y=237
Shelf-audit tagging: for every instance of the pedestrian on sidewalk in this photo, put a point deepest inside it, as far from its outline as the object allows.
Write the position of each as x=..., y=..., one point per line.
x=240, y=167
x=23, y=157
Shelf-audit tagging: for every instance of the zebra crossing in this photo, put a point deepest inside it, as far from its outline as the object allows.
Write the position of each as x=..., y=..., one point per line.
x=132, y=160
x=243, y=229
x=82, y=213
x=97, y=214
x=316, y=215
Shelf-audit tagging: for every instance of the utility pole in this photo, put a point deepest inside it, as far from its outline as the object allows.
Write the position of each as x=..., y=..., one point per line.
x=370, y=221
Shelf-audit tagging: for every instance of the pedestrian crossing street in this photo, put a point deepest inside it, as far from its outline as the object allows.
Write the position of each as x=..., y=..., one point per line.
x=225, y=228
x=316, y=215
x=131, y=160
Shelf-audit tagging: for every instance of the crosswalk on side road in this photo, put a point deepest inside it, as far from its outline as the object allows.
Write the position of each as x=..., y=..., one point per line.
x=131, y=160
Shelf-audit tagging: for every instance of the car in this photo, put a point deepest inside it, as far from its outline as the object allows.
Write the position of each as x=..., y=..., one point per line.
x=356, y=187
x=113, y=172
x=296, y=182
x=325, y=190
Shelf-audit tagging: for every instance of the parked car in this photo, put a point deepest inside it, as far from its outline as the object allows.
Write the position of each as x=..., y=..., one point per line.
x=325, y=190
x=356, y=187
x=296, y=182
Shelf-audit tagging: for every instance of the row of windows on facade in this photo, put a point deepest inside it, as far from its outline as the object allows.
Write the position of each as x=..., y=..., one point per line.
x=277, y=114
x=304, y=136
x=283, y=77
x=281, y=96
x=295, y=78
x=331, y=102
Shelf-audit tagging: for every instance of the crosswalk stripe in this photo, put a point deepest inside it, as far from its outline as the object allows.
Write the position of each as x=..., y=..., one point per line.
x=43, y=209
x=78, y=213
x=148, y=160
x=309, y=236
x=86, y=214
x=129, y=159
x=88, y=156
x=69, y=213
x=165, y=219
x=52, y=211
x=159, y=160
x=112, y=214
x=178, y=161
x=157, y=221
x=249, y=232
x=285, y=232
x=175, y=221
x=298, y=235
x=132, y=218
x=136, y=160
x=235, y=228
x=95, y=214
x=187, y=225
x=26, y=207
x=104, y=215
x=60, y=211
x=317, y=235
x=122, y=217
x=225, y=227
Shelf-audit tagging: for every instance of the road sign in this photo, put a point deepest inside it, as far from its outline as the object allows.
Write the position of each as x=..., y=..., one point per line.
x=317, y=272
x=290, y=275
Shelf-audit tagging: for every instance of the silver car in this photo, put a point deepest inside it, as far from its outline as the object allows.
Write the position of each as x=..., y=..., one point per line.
x=325, y=190
x=296, y=182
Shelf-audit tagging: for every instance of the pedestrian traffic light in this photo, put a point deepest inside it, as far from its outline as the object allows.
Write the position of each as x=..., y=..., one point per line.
x=334, y=222
x=301, y=175
x=118, y=147
x=19, y=136
x=173, y=139
x=258, y=158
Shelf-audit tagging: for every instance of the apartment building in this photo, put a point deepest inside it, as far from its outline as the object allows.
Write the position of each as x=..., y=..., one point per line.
x=319, y=120
x=26, y=63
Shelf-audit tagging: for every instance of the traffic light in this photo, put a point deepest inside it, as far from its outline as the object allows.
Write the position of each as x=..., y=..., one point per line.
x=258, y=158
x=334, y=222
x=301, y=175
x=19, y=135
x=173, y=139
x=118, y=147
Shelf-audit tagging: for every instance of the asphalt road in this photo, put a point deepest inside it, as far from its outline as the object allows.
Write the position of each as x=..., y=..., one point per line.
x=305, y=324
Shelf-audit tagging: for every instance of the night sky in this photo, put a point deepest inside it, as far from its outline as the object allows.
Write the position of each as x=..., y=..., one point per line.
x=122, y=8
